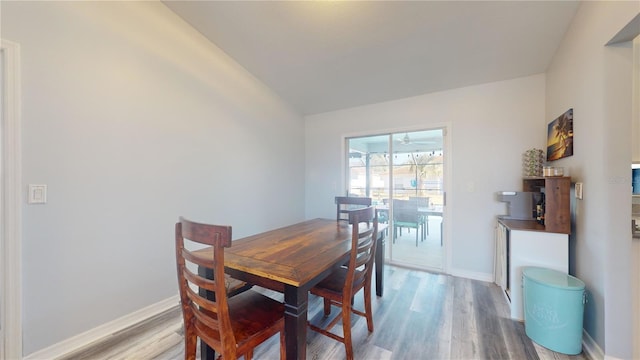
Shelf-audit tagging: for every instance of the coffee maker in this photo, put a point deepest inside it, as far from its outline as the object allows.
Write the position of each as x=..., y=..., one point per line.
x=520, y=204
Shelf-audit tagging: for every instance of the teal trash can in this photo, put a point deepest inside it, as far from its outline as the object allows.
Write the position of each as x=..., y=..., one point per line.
x=553, y=309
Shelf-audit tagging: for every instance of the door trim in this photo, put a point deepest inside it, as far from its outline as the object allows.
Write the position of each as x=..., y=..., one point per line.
x=446, y=127
x=10, y=210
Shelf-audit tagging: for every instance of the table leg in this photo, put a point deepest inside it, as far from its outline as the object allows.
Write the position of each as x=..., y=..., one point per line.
x=295, y=321
x=379, y=263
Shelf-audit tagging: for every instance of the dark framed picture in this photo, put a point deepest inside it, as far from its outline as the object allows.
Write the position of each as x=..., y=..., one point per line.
x=560, y=137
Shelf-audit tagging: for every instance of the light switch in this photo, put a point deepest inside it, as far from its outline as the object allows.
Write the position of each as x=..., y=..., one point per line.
x=579, y=191
x=37, y=194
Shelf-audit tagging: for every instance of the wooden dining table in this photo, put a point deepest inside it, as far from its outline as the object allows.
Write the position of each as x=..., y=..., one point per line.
x=292, y=260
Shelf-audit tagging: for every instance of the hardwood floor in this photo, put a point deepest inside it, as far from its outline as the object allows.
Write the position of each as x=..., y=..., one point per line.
x=421, y=316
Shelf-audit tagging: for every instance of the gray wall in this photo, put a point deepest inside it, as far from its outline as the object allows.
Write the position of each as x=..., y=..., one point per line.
x=490, y=126
x=596, y=81
x=132, y=119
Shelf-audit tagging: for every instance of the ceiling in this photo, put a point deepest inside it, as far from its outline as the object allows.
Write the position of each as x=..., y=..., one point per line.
x=321, y=56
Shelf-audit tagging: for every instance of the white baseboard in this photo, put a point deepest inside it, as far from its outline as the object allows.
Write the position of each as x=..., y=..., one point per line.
x=480, y=276
x=607, y=357
x=77, y=342
x=591, y=348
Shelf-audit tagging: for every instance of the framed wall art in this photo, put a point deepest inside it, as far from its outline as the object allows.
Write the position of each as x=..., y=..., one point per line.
x=560, y=137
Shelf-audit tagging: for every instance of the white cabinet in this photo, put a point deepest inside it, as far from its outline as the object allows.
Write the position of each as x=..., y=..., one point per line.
x=500, y=263
x=522, y=247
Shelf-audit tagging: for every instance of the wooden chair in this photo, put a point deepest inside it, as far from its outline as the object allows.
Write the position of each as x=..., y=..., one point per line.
x=232, y=326
x=406, y=215
x=339, y=287
x=344, y=204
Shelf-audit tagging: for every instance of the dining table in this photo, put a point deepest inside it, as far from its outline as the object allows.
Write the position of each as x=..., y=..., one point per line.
x=291, y=260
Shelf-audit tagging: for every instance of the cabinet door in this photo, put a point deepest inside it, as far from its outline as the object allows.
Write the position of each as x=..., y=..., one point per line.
x=558, y=217
x=500, y=265
x=533, y=248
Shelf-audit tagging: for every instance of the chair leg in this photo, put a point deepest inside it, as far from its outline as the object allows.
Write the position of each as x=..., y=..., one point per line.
x=367, y=307
x=190, y=345
x=283, y=346
x=417, y=234
x=327, y=307
x=346, y=330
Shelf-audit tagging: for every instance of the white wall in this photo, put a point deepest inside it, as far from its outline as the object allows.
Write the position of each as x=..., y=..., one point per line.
x=635, y=144
x=491, y=125
x=595, y=80
x=133, y=119
x=635, y=248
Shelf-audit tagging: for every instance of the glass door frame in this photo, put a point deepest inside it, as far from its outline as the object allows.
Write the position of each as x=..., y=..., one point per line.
x=391, y=147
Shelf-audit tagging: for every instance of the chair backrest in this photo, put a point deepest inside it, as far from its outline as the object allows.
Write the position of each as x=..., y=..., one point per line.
x=405, y=211
x=213, y=312
x=364, y=236
x=344, y=204
x=422, y=201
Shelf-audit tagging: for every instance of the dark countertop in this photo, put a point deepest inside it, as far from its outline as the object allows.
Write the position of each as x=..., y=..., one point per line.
x=529, y=225
x=525, y=225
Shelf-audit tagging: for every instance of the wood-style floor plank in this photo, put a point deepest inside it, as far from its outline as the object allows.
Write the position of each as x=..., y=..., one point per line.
x=421, y=316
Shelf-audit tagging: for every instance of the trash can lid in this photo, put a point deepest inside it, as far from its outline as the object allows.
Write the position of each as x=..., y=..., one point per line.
x=552, y=278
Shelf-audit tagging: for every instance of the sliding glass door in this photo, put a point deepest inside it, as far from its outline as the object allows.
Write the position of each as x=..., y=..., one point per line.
x=399, y=170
